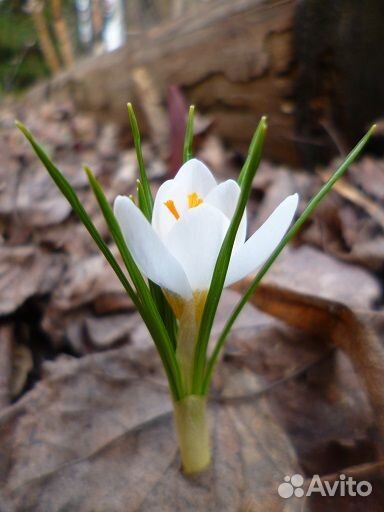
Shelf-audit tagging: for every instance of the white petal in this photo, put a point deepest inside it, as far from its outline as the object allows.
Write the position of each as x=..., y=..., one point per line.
x=148, y=251
x=262, y=243
x=162, y=219
x=225, y=197
x=195, y=241
x=194, y=176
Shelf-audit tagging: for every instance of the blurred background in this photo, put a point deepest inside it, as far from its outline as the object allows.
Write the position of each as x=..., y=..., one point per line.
x=312, y=66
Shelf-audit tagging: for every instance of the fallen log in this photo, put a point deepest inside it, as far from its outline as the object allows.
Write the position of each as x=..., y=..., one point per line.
x=298, y=62
x=233, y=60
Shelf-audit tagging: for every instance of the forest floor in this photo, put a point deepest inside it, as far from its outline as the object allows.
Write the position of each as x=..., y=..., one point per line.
x=85, y=418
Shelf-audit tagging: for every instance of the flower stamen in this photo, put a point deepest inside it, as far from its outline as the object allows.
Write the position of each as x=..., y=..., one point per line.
x=172, y=208
x=194, y=200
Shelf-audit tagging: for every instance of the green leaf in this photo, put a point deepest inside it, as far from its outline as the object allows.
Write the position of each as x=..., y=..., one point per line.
x=148, y=309
x=147, y=199
x=267, y=265
x=74, y=201
x=162, y=305
x=143, y=301
x=142, y=200
x=188, y=139
x=254, y=151
x=221, y=267
x=145, y=202
x=165, y=311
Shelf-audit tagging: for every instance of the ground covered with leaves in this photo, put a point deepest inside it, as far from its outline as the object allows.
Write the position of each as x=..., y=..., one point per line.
x=85, y=417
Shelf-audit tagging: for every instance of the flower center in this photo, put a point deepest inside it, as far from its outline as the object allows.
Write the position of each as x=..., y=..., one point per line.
x=193, y=200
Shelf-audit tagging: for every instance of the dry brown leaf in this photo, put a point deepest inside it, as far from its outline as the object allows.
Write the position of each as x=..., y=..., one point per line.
x=369, y=175
x=104, y=440
x=85, y=280
x=308, y=270
x=94, y=453
x=338, y=325
x=6, y=341
x=22, y=364
x=357, y=197
x=38, y=203
x=343, y=233
x=106, y=331
x=26, y=271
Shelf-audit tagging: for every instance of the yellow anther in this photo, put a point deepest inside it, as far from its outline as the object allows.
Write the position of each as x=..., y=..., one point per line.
x=194, y=200
x=172, y=208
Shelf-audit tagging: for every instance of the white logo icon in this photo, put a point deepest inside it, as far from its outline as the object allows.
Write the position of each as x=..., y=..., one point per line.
x=344, y=486
x=292, y=486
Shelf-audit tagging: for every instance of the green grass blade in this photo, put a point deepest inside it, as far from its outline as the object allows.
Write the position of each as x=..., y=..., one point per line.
x=254, y=151
x=147, y=194
x=162, y=305
x=188, y=139
x=290, y=234
x=149, y=311
x=74, y=201
x=145, y=202
x=165, y=311
x=156, y=327
x=221, y=267
x=142, y=200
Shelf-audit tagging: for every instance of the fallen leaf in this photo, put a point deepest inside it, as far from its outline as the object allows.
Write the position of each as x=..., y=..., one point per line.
x=309, y=270
x=335, y=323
x=6, y=341
x=351, y=193
x=94, y=453
x=22, y=364
x=26, y=271
x=104, y=332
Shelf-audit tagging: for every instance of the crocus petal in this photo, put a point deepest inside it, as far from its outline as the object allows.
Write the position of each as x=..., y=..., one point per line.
x=162, y=218
x=262, y=243
x=194, y=176
x=195, y=241
x=225, y=197
x=148, y=251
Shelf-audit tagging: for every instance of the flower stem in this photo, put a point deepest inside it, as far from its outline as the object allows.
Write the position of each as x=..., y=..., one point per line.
x=186, y=345
x=190, y=415
x=188, y=313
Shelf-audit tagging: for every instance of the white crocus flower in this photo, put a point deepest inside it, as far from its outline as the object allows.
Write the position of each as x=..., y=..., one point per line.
x=191, y=216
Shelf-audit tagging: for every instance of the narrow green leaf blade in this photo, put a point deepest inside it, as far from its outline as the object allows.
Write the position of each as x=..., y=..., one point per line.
x=149, y=311
x=290, y=234
x=74, y=201
x=162, y=305
x=142, y=200
x=145, y=202
x=188, y=139
x=221, y=267
x=254, y=151
x=147, y=198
